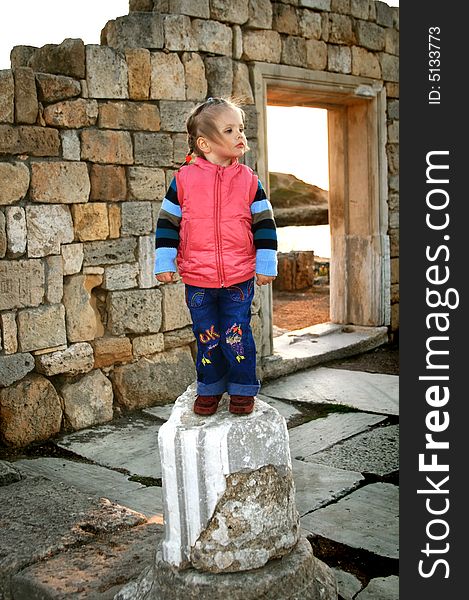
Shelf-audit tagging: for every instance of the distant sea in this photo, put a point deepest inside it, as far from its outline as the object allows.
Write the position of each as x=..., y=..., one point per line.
x=308, y=237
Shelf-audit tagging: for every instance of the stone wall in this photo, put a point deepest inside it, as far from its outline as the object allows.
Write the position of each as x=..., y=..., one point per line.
x=90, y=136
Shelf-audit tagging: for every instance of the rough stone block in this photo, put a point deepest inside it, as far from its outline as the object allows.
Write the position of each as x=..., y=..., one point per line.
x=146, y=261
x=53, y=88
x=146, y=345
x=42, y=327
x=7, y=96
x=285, y=19
x=14, y=367
x=236, y=11
x=65, y=182
x=109, y=351
x=106, y=73
x=339, y=59
x=30, y=411
x=178, y=33
x=262, y=46
x=72, y=114
x=108, y=183
x=294, y=51
x=178, y=337
x=129, y=115
x=153, y=149
x=260, y=14
x=82, y=316
x=234, y=477
x=28, y=139
x=369, y=35
x=175, y=311
x=72, y=257
x=20, y=55
x=109, y=252
x=389, y=67
x=54, y=279
x=90, y=221
x=145, y=183
x=174, y=115
x=360, y=9
x=114, y=216
x=9, y=332
x=318, y=4
x=365, y=63
x=219, y=70
x=3, y=235
x=120, y=277
x=67, y=58
x=193, y=8
x=213, y=37
x=26, y=105
x=88, y=400
x=70, y=144
x=196, y=83
x=106, y=146
x=310, y=24
x=139, y=69
x=341, y=30
x=136, y=218
x=155, y=381
x=14, y=182
x=167, y=77
x=136, y=30
x=77, y=358
x=15, y=220
x=134, y=311
x=21, y=283
x=49, y=226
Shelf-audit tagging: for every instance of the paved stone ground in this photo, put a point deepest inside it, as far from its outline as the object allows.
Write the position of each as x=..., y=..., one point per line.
x=81, y=515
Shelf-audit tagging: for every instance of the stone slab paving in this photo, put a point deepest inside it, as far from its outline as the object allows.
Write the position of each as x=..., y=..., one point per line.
x=347, y=584
x=310, y=346
x=317, y=485
x=370, y=392
x=367, y=519
x=132, y=446
x=382, y=588
x=319, y=434
x=375, y=451
x=96, y=480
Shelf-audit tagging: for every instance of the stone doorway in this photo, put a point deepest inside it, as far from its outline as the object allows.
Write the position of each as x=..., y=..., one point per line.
x=360, y=264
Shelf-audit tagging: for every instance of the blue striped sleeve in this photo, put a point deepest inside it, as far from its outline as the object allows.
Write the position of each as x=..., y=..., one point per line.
x=264, y=232
x=167, y=231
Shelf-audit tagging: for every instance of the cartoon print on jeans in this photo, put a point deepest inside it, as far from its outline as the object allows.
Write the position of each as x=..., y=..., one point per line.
x=234, y=339
x=210, y=334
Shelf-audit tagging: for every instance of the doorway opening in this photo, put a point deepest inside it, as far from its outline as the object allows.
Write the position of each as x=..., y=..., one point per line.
x=297, y=142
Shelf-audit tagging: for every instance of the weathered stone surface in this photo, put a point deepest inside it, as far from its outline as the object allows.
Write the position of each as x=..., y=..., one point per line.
x=309, y=24
x=109, y=252
x=53, y=88
x=237, y=42
x=20, y=55
x=213, y=37
x=260, y=14
x=3, y=235
x=179, y=337
x=134, y=311
x=295, y=271
x=139, y=68
x=48, y=227
x=153, y=149
x=384, y=588
x=106, y=146
x=129, y=115
x=174, y=115
x=167, y=77
x=111, y=350
x=193, y=8
x=70, y=144
x=294, y=51
x=232, y=12
x=77, y=358
x=14, y=182
x=22, y=283
x=146, y=261
x=72, y=113
x=285, y=19
x=54, y=279
x=158, y=380
x=389, y=67
x=28, y=139
x=15, y=221
x=26, y=106
x=106, y=73
x=136, y=218
x=339, y=59
x=82, y=316
x=108, y=183
x=219, y=71
x=114, y=216
x=241, y=84
x=365, y=63
x=42, y=327
x=196, y=83
x=72, y=256
x=340, y=29
x=9, y=332
x=178, y=33
x=67, y=58
x=90, y=221
x=262, y=45
x=369, y=35
x=7, y=96
x=146, y=183
x=14, y=367
x=146, y=345
x=120, y=277
x=63, y=181
x=8, y=474
x=88, y=400
x=136, y=30
x=30, y=411
x=175, y=312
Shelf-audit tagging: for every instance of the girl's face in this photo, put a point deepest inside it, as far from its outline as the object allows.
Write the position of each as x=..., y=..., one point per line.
x=230, y=142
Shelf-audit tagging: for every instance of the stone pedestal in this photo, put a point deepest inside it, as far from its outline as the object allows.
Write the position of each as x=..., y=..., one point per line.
x=228, y=491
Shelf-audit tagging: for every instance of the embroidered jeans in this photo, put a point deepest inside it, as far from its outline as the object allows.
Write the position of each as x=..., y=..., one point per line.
x=226, y=351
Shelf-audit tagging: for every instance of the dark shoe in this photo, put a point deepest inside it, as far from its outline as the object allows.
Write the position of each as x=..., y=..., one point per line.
x=241, y=405
x=206, y=405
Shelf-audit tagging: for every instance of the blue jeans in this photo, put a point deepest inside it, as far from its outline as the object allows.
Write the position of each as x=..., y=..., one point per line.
x=226, y=351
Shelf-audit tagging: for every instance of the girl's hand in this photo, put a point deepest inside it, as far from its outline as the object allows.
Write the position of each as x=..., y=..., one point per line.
x=165, y=277
x=264, y=279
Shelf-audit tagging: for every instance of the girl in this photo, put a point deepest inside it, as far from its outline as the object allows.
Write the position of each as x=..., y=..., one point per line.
x=217, y=224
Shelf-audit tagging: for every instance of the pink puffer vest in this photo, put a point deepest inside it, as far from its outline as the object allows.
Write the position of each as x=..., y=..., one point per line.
x=216, y=246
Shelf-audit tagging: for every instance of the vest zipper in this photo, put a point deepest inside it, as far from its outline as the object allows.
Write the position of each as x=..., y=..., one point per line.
x=219, y=257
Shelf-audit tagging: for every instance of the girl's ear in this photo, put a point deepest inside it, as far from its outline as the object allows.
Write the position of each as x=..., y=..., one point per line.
x=202, y=144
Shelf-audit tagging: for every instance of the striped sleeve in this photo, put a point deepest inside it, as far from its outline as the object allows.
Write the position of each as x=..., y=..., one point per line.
x=167, y=231
x=264, y=232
